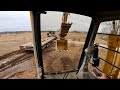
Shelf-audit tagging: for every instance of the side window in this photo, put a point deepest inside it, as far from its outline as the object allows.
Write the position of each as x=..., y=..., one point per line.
x=108, y=38
x=15, y=34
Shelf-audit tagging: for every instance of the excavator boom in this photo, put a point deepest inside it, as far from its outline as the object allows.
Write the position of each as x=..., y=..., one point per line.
x=64, y=17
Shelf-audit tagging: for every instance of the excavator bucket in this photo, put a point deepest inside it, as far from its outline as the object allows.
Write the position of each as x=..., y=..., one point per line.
x=62, y=45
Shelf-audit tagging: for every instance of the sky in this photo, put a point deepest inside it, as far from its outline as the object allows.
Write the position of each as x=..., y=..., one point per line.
x=14, y=21
x=20, y=21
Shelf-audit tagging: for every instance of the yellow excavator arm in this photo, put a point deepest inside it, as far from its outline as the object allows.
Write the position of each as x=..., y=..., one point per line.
x=64, y=26
x=65, y=17
x=62, y=43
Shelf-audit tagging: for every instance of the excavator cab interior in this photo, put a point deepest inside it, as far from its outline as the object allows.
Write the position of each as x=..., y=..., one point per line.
x=92, y=53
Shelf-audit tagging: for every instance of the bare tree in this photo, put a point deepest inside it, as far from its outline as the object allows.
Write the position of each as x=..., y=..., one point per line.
x=112, y=25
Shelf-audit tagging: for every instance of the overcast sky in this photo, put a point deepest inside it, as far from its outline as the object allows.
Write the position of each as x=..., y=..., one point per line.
x=20, y=21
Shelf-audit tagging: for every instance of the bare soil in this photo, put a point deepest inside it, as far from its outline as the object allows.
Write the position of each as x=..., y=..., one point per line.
x=22, y=64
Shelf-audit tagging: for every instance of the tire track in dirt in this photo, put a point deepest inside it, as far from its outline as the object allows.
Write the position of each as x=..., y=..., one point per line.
x=11, y=54
x=15, y=60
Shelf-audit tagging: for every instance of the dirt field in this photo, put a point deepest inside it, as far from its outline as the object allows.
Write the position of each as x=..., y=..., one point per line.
x=21, y=64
